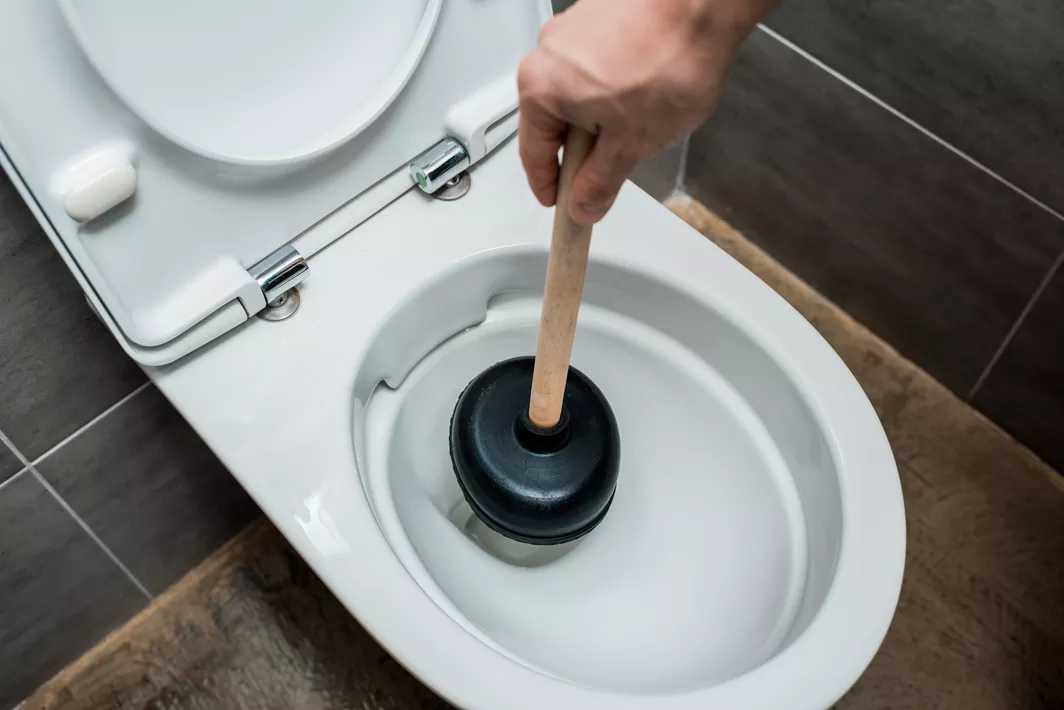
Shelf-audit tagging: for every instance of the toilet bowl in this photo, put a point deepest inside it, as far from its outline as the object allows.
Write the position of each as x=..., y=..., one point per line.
x=753, y=554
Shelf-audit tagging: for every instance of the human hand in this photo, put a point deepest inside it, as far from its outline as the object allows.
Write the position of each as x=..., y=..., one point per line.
x=640, y=74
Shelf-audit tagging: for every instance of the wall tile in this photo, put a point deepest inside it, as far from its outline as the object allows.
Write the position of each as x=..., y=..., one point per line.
x=658, y=176
x=150, y=489
x=59, y=367
x=59, y=593
x=931, y=253
x=986, y=75
x=9, y=463
x=1024, y=392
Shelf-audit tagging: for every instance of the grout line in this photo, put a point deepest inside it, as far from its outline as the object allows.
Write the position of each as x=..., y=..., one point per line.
x=1016, y=326
x=912, y=123
x=681, y=174
x=677, y=199
x=26, y=465
x=12, y=477
x=66, y=506
x=89, y=531
x=14, y=449
x=82, y=429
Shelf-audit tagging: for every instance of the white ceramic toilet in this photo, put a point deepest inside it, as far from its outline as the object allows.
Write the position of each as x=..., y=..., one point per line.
x=233, y=184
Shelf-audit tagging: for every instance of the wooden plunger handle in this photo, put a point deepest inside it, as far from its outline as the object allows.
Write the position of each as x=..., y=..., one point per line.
x=561, y=297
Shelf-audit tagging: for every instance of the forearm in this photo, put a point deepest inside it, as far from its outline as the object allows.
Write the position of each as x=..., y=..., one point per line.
x=723, y=21
x=726, y=15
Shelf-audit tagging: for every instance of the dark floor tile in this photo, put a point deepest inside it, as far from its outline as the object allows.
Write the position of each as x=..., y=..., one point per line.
x=150, y=488
x=986, y=75
x=59, y=593
x=956, y=640
x=932, y=254
x=9, y=463
x=252, y=628
x=59, y=367
x=1024, y=392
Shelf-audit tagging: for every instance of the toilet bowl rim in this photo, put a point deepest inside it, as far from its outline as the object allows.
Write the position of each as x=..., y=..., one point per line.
x=871, y=555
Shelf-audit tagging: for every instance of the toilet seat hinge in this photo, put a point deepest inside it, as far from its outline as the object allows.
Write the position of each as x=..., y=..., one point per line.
x=443, y=162
x=284, y=269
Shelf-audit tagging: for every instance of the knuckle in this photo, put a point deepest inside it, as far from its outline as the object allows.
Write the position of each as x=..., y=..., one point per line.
x=532, y=77
x=548, y=29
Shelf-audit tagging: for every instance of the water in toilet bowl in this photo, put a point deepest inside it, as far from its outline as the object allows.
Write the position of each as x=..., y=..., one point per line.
x=501, y=547
x=701, y=570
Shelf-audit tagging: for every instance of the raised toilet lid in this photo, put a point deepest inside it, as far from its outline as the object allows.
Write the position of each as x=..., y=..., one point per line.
x=254, y=81
x=172, y=146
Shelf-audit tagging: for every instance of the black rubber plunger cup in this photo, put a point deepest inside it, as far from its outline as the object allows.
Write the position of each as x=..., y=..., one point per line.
x=534, y=443
x=540, y=486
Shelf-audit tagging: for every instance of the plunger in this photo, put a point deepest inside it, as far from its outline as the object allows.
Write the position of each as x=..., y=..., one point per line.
x=534, y=443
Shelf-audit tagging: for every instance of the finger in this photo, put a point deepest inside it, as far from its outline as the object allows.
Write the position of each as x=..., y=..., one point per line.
x=539, y=132
x=599, y=179
x=539, y=138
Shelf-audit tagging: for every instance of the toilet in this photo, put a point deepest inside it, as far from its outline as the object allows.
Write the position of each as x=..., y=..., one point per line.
x=309, y=224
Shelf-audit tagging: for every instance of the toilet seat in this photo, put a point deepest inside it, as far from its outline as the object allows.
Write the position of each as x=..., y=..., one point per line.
x=278, y=402
x=174, y=150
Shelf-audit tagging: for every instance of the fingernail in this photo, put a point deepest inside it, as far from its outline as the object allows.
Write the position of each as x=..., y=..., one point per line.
x=592, y=207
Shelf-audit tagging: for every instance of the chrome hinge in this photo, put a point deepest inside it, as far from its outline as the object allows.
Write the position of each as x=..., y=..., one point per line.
x=282, y=270
x=436, y=166
x=476, y=125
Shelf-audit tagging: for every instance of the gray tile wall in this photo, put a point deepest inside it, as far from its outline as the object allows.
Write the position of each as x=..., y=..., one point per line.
x=905, y=159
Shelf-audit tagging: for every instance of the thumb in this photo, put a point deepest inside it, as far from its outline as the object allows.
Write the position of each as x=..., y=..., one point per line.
x=599, y=179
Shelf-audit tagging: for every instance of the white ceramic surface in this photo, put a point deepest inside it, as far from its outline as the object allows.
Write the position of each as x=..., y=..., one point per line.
x=241, y=126
x=255, y=81
x=775, y=440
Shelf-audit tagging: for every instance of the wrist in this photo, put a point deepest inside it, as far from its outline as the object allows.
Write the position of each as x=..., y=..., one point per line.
x=725, y=20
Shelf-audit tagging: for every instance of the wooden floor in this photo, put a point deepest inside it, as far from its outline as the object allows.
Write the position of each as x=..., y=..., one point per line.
x=980, y=624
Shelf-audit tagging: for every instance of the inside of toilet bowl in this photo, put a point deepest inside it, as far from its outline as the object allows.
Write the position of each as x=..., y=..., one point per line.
x=721, y=542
